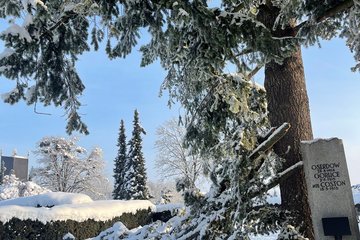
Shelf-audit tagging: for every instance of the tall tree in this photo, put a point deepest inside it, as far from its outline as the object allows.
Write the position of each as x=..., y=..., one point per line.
x=120, y=163
x=135, y=175
x=194, y=42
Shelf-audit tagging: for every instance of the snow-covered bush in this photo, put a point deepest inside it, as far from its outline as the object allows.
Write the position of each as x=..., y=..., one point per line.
x=12, y=187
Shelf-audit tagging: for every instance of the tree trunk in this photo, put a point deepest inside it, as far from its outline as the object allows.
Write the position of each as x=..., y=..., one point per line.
x=288, y=102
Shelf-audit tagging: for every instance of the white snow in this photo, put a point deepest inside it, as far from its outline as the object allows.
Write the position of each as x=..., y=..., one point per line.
x=28, y=20
x=3, y=68
x=169, y=207
x=48, y=199
x=16, y=30
x=318, y=139
x=33, y=3
x=68, y=236
x=182, y=12
x=12, y=187
x=6, y=53
x=114, y=232
x=30, y=92
x=96, y=210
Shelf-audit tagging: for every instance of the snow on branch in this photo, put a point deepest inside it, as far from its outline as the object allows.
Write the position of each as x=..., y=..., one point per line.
x=277, y=179
x=266, y=145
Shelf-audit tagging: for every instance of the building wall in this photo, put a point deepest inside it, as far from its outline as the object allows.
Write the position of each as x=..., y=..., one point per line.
x=18, y=164
x=8, y=163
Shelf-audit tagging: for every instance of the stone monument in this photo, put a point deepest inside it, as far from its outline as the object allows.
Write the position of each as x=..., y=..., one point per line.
x=329, y=190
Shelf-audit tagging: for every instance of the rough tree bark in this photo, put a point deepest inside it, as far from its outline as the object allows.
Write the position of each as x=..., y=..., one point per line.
x=288, y=102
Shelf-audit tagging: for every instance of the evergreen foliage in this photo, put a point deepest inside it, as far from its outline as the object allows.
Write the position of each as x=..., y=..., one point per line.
x=120, y=163
x=135, y=175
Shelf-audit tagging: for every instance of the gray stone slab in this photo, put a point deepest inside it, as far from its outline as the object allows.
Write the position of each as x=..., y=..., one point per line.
x=328, y=184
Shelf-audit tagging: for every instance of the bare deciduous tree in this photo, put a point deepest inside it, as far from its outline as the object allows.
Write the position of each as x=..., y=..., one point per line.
x=173, y=159
x=66, y=167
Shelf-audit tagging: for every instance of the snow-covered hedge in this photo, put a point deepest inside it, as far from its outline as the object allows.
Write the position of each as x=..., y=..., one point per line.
x=49, y=199
x=37, y=230
x=83, y=220
x=96, y=210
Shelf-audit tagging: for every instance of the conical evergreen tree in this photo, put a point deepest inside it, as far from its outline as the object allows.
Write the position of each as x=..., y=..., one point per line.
x=136, y=172
x=120, y=162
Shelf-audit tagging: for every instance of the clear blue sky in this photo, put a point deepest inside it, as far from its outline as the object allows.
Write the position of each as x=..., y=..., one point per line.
x=115, y=88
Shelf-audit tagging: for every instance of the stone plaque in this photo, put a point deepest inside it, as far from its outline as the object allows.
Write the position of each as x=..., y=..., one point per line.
x=328, y=184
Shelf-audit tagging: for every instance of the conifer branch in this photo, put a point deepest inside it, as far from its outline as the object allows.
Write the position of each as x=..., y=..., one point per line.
x=276, y=180
x=258, y=156
x=342, y=6
x=254, y=71
x=269, y=142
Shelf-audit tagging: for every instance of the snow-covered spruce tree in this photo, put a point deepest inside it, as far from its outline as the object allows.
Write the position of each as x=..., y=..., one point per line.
x=66, y=167
x=120, y=163
x=194, y=42
x=135, y=176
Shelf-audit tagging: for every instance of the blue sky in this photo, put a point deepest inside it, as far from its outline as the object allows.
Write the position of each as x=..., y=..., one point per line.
x=115, y=88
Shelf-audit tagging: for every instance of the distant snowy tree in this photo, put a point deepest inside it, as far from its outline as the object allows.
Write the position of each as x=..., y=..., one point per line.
x=173, y=158
x=156, y=189
x=12, y=187
x=31, y=173
x=65, y=166
x=120, y=163
x=101, y=188
x=166, y=196
x=135, y=175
